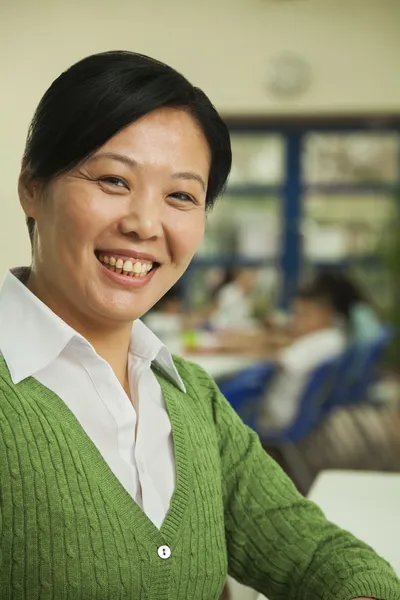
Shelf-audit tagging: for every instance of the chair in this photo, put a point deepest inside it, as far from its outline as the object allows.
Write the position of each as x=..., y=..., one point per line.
x=356, y=371
x=245, y=390
x=347, y=366
x=317, y=390
x=313, y=397
x=370, y=357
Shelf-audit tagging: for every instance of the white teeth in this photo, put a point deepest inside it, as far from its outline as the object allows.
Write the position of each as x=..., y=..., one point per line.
x=128, y=266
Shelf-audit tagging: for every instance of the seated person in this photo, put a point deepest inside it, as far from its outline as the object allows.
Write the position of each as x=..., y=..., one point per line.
x=319, y=333
x=233, y=306
x=352, y=303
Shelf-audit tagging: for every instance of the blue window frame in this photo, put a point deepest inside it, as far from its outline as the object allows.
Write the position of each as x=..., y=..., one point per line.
x=294, y=190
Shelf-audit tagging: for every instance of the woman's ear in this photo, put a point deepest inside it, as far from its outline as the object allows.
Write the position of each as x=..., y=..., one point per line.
x=29, y=194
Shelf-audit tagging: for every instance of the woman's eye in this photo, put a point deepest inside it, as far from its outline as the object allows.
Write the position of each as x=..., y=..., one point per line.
x=183, y=197
x=114, y=181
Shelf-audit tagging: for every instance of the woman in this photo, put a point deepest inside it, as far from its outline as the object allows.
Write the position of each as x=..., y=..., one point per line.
x=124, y=473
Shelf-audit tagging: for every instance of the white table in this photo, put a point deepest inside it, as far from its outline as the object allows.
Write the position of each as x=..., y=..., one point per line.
x=222, y=365
x=365, y=503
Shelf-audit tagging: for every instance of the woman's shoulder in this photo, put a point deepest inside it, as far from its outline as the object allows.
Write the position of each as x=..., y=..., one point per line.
x=194, y=377
x=210, y=405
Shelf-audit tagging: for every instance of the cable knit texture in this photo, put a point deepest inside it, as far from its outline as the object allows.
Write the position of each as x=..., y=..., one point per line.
x=70, y=531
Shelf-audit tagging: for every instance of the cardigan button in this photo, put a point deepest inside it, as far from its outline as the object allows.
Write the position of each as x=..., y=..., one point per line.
x=164, y=552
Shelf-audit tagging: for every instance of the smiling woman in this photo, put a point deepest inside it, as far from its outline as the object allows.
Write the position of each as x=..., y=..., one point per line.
x=140, y=201
x=138, y=184
x=123, y=471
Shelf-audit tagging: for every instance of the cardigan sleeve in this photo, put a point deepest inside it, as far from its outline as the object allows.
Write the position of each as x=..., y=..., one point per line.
x=278, y=542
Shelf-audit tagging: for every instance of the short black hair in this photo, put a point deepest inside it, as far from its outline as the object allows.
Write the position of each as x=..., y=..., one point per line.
x=335, y=289
x=101, y=95
x=315, y=294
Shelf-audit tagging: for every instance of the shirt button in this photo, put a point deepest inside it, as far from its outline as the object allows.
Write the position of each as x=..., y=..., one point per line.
x=164, y=552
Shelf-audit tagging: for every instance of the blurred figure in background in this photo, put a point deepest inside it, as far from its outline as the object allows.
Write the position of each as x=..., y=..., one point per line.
x=352, y=304
x=328, y=312
x=233, y=300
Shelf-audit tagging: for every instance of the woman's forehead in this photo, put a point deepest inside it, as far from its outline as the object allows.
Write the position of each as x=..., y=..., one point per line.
x=163, y=135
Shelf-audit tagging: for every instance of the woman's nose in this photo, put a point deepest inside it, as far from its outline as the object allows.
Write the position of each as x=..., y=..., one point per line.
x=144, y=219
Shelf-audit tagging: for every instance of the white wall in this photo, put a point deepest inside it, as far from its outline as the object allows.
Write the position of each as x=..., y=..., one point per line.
x=353, y=47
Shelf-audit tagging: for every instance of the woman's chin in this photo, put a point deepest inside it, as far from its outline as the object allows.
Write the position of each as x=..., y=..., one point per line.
x=119, y=312
x=116, y=308
x=110, y=304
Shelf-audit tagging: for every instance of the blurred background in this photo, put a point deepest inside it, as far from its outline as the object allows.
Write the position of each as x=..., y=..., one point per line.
x=311, y=93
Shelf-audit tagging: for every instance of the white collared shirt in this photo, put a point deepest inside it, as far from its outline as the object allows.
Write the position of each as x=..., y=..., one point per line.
x=34, y=341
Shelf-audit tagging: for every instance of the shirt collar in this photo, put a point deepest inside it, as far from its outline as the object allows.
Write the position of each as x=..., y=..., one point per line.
x=32, y=336
x=146, y=345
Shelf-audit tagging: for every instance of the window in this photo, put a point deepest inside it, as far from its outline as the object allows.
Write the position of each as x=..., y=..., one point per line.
x=302, y=195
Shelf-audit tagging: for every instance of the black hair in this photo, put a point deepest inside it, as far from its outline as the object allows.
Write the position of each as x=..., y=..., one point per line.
x=336, y=289
x=101, y=95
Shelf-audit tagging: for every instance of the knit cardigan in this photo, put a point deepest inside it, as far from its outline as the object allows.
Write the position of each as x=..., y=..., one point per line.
x=70, y=531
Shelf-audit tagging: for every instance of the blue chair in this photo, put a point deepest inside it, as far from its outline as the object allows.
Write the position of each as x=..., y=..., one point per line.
x=370, y=355
x=316, y=391
x=357, y=370
x=245, y=390
x=310, y=414
x=347, y=367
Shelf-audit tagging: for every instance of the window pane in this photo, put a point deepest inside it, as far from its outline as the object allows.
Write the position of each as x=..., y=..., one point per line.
x=257, y=159
x=340, y=227
x=249, y=227
x=350, y=158
x=375, y=281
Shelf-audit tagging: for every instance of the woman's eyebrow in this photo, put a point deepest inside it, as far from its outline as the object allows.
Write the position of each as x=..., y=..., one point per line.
x=131, y=163
x=191, y=176
x=122, y=158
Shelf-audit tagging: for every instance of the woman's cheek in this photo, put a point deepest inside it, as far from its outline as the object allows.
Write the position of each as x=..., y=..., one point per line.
x=193, y=238
x=185, y=233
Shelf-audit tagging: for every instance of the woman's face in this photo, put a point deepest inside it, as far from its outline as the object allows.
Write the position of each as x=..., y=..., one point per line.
x=115, y=233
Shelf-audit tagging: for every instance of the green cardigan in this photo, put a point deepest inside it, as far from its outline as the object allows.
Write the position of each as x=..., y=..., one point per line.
x=70, y=531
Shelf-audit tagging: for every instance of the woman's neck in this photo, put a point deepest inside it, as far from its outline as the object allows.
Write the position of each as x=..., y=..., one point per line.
x=113, y=347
